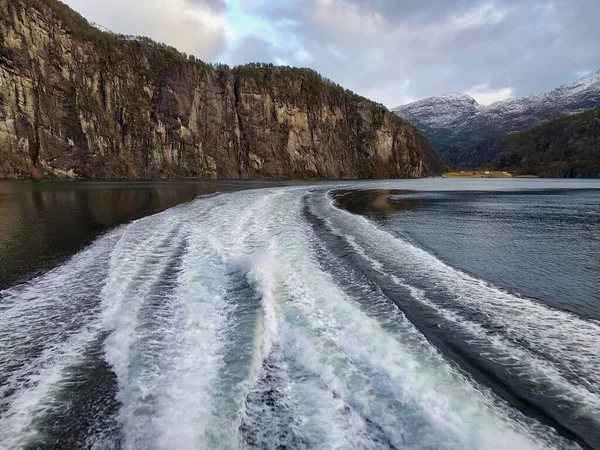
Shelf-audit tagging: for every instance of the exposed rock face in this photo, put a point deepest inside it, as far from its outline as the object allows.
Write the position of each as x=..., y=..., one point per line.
x=468, y=133
x=75, y=101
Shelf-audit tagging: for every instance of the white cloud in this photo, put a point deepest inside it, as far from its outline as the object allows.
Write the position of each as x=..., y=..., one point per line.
x=484, y=15
x=395, y=93
x=491, y=49
x=192, y=27
x=302, y=56
x=281, y=62
x=347, y=16
x=335, y=52
x=486, y=96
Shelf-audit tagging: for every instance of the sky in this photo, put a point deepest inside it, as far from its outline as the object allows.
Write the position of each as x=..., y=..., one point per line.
x=392, y=51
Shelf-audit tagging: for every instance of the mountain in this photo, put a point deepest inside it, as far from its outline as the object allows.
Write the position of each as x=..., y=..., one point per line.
x=567, y=147
x=444, y=111
x=77, y=101
x=468, y=133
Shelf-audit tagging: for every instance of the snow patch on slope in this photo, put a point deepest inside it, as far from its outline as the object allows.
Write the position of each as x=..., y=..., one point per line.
x=515, y=114
x=441, y=111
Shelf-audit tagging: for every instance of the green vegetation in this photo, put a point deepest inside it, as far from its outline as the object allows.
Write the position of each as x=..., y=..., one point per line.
x=568, y=147
x=75, y=23
x=111, y=44
x=313, y=83
x=114, y=45
x=123, y=106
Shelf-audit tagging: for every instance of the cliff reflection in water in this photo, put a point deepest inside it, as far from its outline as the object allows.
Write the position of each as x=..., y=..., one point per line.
x=42, y=223
x=377, y=203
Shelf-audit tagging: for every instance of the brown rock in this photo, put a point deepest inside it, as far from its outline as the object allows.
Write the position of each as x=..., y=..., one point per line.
x=75, y=101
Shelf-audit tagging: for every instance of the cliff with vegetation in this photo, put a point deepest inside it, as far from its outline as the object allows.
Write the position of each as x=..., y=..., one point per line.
x=79, y=102
x=568, y=147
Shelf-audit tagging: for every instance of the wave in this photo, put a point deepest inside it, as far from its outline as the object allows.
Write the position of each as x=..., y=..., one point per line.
x=271, y=318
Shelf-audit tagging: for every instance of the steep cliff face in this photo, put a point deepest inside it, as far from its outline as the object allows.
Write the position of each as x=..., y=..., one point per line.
x=75, y=101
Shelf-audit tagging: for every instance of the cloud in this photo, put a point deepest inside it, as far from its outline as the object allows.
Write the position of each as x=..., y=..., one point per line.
x=347, y=16
x=302, y=56
x=215, y=5
x=511, y=47
x=484, y=15
x=486, y=96
x=253, y=49
x=197, y=27
x=489, y=48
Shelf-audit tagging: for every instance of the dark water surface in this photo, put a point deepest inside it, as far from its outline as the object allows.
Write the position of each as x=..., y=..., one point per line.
x=45, y=222
x=538, y=243
x=427, y=314
x=543, y=244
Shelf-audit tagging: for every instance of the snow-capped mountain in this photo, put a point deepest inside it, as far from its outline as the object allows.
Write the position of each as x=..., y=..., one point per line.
x=439, y=112
x=457, y=121
x=522, y=113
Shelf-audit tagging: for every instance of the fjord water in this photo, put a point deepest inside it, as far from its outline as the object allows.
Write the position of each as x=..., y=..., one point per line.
x=412, y=314
x=45, y=222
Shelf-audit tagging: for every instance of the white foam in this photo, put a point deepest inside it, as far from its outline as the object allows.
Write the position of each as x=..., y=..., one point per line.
x=166, y=368
x=531, y=367
x=564, y=337
x=345, y=378
x=264, y=274
x=43, y=382
x=325, y=333
x=53, y=329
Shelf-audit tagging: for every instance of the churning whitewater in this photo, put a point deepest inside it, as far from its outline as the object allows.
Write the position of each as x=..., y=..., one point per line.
x=274, y=319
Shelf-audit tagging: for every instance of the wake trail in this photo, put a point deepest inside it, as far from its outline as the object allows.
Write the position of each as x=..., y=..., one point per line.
x=550, y=351
x=272, y=319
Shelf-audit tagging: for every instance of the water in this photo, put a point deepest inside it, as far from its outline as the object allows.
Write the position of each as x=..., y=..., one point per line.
x=412, y=314
x=540, y=243
x=43, y=223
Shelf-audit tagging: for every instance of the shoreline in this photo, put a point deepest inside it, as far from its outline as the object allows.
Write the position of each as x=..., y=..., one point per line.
x=484, y=174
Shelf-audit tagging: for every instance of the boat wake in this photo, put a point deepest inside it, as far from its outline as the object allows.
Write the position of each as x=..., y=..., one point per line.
x=274, y=319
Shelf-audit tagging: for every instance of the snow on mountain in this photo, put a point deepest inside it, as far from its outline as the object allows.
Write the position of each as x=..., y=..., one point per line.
x=440, y=111
x=572, y=98
x=462, y=114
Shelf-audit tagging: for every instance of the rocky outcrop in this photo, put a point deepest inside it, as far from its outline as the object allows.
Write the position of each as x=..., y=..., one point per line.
x=79, y=102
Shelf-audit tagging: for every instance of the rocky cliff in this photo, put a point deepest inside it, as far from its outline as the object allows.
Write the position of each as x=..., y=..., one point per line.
x=76, y=101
